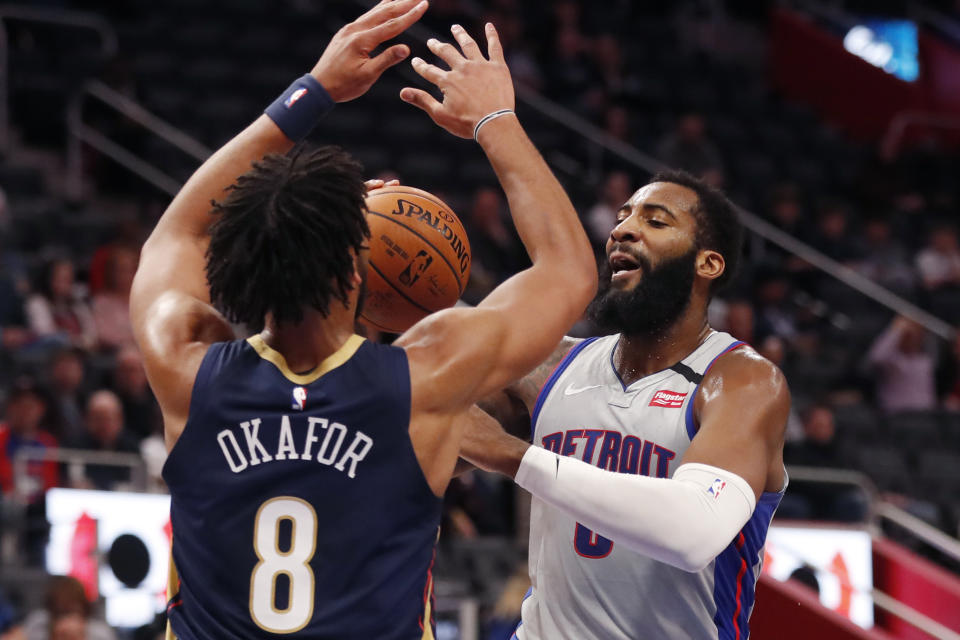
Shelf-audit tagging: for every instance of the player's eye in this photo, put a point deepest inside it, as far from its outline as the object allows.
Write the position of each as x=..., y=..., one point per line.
x=657, y=224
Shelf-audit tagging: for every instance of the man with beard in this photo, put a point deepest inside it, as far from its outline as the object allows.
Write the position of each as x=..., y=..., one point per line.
x=306, y=465
x=656, y=462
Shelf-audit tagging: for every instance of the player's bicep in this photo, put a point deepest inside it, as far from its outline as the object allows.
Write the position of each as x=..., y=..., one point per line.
x=744, y=442
x=173, y=335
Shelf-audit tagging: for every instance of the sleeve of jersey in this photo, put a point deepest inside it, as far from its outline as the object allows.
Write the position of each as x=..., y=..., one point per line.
x=685, y=521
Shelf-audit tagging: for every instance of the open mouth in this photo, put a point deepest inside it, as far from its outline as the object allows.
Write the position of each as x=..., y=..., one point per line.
x=622, y=264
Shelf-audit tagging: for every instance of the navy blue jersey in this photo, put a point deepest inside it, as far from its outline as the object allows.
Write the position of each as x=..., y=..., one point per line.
x=298, y=504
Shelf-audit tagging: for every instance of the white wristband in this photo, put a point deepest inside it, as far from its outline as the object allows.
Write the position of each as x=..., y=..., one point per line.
x=487, y=118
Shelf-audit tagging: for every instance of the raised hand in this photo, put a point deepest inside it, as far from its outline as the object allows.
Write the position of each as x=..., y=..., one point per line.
x=473, y=87
x=377, y=183
x=346, y=69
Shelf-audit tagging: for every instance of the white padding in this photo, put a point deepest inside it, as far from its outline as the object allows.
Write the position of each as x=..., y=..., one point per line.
x=684, y=521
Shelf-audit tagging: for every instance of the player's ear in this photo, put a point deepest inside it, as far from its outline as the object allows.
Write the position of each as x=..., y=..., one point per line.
x=359, y=268
x=710, y=264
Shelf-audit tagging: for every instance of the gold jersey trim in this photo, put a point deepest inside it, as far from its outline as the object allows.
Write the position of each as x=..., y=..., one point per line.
x=331, y=362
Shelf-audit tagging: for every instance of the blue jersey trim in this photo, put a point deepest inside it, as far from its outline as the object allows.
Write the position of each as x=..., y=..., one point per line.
x=735, y=572
x=520, y=624
x=552, y=380
x=690, y=421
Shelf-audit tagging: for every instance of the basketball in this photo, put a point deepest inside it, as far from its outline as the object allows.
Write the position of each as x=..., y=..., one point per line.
x=419, y=258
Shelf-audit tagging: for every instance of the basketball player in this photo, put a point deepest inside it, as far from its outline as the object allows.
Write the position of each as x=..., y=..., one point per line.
x=306, y=465
x=656, y=462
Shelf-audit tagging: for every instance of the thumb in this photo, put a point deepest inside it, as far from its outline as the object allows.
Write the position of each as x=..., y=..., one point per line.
x=421, y=99
x=388, y=58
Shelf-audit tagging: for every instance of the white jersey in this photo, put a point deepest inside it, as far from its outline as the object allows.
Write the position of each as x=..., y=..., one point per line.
x=588, y=587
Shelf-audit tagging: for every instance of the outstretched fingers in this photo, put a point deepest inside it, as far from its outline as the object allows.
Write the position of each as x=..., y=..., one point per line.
x=427, y=71
x=467, y=44
x=494, y=48
x=446, y=52
x=423, y=100
x=383, y=11
x=395, y=24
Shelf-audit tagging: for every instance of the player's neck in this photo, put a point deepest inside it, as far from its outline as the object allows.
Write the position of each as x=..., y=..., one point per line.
x=306, y=344
x=639, y=355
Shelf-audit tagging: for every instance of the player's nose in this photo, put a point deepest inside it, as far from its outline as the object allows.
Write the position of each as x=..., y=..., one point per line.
x=627, y=230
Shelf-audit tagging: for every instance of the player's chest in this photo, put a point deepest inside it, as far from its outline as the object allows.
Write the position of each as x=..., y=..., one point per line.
x=642, y=429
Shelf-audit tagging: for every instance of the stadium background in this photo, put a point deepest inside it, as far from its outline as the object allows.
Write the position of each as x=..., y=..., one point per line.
x=847, y=175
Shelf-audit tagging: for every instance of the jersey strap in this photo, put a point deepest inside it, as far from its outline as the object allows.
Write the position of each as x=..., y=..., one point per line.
x=691, y=421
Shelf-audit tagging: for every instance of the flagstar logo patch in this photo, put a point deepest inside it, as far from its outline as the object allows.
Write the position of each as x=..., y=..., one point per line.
x=668, y=399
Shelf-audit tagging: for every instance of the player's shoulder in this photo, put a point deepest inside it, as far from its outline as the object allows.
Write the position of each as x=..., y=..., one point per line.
x=743, y=368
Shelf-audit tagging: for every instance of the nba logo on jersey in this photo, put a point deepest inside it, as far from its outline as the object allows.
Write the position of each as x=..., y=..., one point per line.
x=299, y=398
x=716, y=488
x=296, y=95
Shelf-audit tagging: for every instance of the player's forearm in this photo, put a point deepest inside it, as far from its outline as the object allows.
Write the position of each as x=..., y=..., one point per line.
x=684, y=521
x=486, y=445
x=543, y=215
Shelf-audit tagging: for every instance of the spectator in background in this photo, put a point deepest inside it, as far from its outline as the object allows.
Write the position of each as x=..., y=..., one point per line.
x=105, y=432
x=497, y=253
x=949, y=376
x=774, y=312
x=13, y=321
x=939, y=266
x=140, y=408
x=618, y=84
x=23, y=429
x=786, y=212
x=111, y=310
x=819, y=448
x=904, y=368
x=884, y=260
x=129, y=234
x=832, y=237
x=687, y=147
x=67, y=615
x=939, y=261
x=616, y=123
x=58, y=308
x=66, y=381
x=741, y=320
x=570, y=76
x=602, y=216
x=474, y=506
x=521, y=60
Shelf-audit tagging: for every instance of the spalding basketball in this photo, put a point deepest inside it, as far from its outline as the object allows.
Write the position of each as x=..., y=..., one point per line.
x=419, y=258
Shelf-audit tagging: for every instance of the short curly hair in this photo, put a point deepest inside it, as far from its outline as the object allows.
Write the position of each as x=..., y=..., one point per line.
x=282, y=238
x=718, y=225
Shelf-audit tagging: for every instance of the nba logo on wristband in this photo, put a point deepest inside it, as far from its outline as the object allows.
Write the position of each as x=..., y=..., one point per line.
x=716, y=488
x=296, y=95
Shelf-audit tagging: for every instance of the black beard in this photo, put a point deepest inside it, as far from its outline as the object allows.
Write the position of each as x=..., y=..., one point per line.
x=658, y=300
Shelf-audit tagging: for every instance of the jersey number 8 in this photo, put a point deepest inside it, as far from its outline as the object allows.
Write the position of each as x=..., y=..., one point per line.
x=294, y=563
